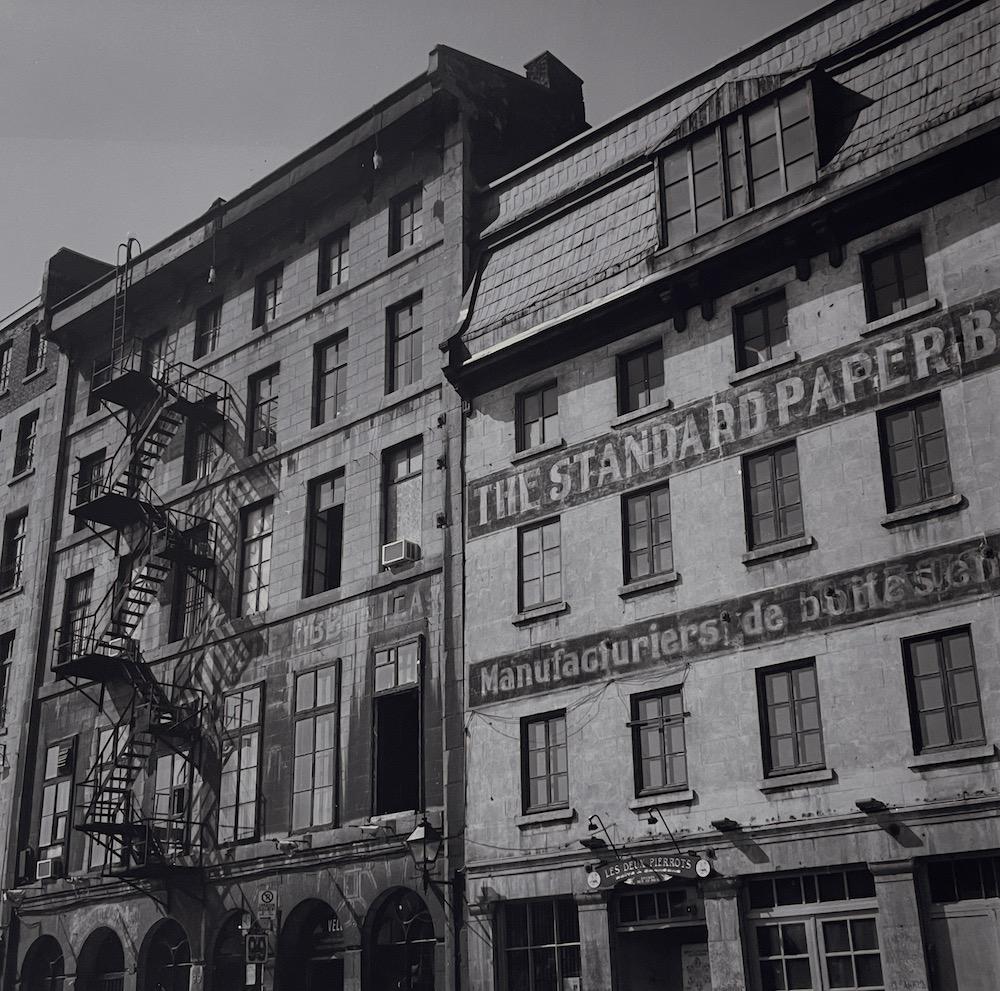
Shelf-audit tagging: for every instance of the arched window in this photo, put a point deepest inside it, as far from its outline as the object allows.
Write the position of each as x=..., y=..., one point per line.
x=310, y=951
x=229, y=960
x=166, y=963
x=43, y=966
x=401, y=944
x=101, y=964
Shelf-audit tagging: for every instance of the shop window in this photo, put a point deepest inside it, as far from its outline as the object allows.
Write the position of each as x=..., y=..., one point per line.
x=541, y=945
x=57, y=802
x=405, y=330
x=943, y=691
x=267, y=296
x=406, y=220
x=89, y=483
x=649, y=546
x=38, y=346
x=24, y=449
x=539, y=565
x=334, y=260
x=207, y=324
x=402, y=496
x=964, y=879
x=256, y=527
x=329, y=379
x=674, y=904
x=914, y=448
x=544, y=762
x=659, y=752
x=398, y=744
x=15, y=531
x=790, y=719
x=314, y=777
x=761, y=331
x=773, y=497
x=240, y=781
x=6, y=657
x=6, y=354
x=895, y=277
x=201, y=450
x=325, y=533
x=641, y=378
x=537, y=417
x=262, y=410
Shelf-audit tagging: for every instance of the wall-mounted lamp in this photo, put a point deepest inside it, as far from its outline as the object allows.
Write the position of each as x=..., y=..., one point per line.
x=870, y=805
x=424, y=844
x=726, y=825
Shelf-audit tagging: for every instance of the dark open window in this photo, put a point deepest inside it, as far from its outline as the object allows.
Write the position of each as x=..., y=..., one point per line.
x=24, y=450
x=15, y=530
x=649, y=547
x=325, y=533
x=267, y=296
x=914, y=453
x=790, y=718
x=334, y=260
x=405, y=357
x=406, y=220
x=544, y=762
x=761, y=331
x=89, y=483
x=398, y=742
x=640, y=378
x=537, y=417
x=773, y=497
x=895, y=277
x=659, y=751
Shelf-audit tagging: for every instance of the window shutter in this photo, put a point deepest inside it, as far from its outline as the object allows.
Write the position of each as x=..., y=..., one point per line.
x=64, y=762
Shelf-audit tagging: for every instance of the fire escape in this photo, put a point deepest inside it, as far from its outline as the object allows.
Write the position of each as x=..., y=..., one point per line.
x=155, y=718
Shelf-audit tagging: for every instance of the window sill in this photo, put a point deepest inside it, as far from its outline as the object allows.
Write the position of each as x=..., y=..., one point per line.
x=958, y=755
x=763, y=367
x=782, y=781
x=779, y=549
x=547, y=818
x=627, y=419
x=684, y=796
x=31, y=376
x=933, y=508
x=874, y=326
x=542, y=612
x=9, y=593
x=665, y=580
x=21, y=477
x=537, y=450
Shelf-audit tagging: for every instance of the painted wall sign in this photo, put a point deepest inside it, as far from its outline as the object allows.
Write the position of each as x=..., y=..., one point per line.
x=916, y=581
x=938, y=349
x=646, y=870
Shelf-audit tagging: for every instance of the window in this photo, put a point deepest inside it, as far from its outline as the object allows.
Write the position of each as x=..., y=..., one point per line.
x=201, y=450
x=537, y=417
x=405, y=344
x=334, y=261
x=403, y=492
x=24, y=451
x=329, y=379
x=76, y=613
x=255, y=557
x=773, y=499
x=649, y=548
x=405, y=220
x=325, y=533
x=761, y=331
x=914, y=453
x=190, y=601
x=57, y=791
x=397, y=727
x=267, y=296
x=314, y=780
x=544, y=771
x=541, y=941
x=15, y=530
x=540, y=565
x=156, y=354
x=172, y=801
x=207, y=323
x=89, y=483
x=6, y=353
x=943, y=691
x=640, y=378
x=964, y=878
x=659, y=752
x=742, y=162
x=262, y=409
x=6, y=656
x=791, y=730
x=111, y=742
x=240, y=780
x=38, y=346
x=894, y=277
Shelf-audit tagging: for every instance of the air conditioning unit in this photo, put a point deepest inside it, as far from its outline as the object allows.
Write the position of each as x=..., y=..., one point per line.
x=398, y=552
x=46, y=870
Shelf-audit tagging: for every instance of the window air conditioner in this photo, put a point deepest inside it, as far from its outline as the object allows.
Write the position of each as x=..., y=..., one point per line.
x=46, y=870
x=399, y=551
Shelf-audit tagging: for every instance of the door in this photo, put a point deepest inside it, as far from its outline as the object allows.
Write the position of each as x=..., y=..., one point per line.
x=965, y=946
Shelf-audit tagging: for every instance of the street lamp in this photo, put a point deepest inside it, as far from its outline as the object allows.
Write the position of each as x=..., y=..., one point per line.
x=424, y=844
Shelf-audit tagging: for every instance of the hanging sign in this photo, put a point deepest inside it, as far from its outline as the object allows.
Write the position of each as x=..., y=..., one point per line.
x=647, y=870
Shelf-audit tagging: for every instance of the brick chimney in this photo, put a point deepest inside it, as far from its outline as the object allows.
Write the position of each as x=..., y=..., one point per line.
x=546, y=70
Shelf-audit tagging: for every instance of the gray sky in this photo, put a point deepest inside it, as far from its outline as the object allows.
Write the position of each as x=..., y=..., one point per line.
x=124, y=116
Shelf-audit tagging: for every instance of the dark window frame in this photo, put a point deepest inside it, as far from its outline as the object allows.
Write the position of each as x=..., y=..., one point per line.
x=539, y=525
x=912, y=407
x=406, y=221
x=662, y=722
x=547, y=719
x=207, y=327
x=242, y=589
x=647, y=495
x=15, y=535
x=312, y=523
x=26, y=443
x=894, y=250
x=522, y=424
x=565, y=953
x=651, y=381
x=6, y=363
x=201, y=448
x=189, y=602
x=262, y=433
x=237, y=733
x=335, y=246
x=38, y=347
x=767, y=725
x=414, y=337
x=762, y=304
x=267, y=299
x=322, y=374
x=396, y=694
x=389, y=535
x=781, y=533
x=7, y=640
x=89, y=477
x=53, y=782
x=312, y=713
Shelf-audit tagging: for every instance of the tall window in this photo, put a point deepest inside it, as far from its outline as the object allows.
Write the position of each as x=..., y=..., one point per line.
x=790, y=721
x=334, y=260
x=89, y=483
x=267, y=296
x=649, y=547
x=914, y=453
x=190, y=601
x=38, y=346
x=255, y=557
x=314, y=779
x=156, y=354
x=540, y=565
x=240, y=783
x=398, y=742
x=541, y=941
x=773, y=499
x=537, y=417
x=262, y=409
x=943, y=691
x=6, y=656
x=743, y=162
x=15, y=530
x=93, y=403
x=207, y=324
x=6, y=354
x=325, y=533
x=329, y=379
x=24, y=451
x=403, y=496
x=172, y=801
x=895, y=277
x=111, y=741
x=76, y=613
x=640, y=378
x=406, y=220
x=544, y=766
x=659, y=752
x=57, y=793
x=761, y=331
x=200, y=451
x=405, y=344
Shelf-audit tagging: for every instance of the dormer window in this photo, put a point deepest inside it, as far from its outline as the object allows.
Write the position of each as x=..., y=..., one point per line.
x=733, y=162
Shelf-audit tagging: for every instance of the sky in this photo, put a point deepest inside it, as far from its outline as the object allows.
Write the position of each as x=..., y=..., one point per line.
x=132, y=116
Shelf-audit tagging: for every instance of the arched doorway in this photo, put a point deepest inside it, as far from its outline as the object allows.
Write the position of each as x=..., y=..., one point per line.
x=43, y=966
x=165, y=961
x=401, y=944
x=229, y=958
x=101, y=964
x=310, y=950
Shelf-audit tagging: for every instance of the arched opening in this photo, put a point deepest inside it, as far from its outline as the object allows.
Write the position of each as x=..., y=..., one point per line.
x=229, y=957
x=401, y=943
x=310, y=951
x=165, y=963
x=43, y=966
x=101, y=964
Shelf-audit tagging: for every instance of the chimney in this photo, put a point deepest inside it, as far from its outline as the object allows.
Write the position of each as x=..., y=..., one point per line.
x=546, y=70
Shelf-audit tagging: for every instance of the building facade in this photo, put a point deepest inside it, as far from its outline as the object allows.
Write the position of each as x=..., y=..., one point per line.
x=732, y=527
x=252, y=689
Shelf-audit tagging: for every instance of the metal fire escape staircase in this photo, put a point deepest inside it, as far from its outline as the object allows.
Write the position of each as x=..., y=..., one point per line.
x=152, y=399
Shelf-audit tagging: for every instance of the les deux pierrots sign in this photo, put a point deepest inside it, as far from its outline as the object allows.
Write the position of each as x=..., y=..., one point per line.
x=647, y=870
